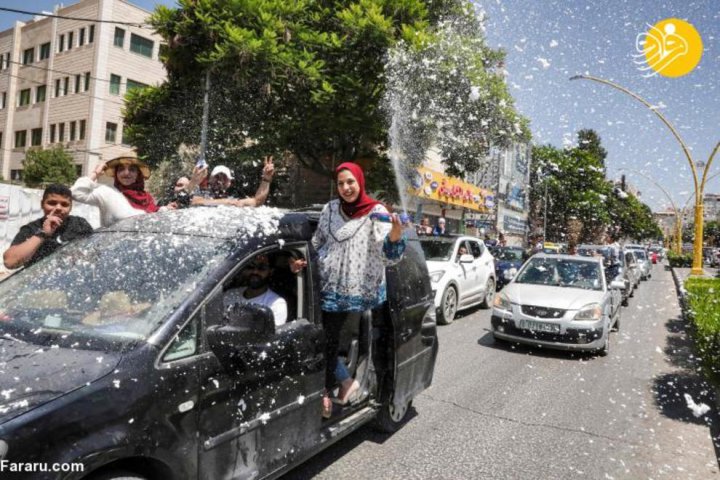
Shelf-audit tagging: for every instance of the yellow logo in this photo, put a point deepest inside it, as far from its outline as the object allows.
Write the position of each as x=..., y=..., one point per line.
x=671, y=47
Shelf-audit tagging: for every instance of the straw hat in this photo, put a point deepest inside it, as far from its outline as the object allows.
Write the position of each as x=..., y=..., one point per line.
x=131, y=159
x=114, y=304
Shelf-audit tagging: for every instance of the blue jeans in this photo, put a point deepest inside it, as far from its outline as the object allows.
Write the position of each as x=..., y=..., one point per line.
x=341, y=371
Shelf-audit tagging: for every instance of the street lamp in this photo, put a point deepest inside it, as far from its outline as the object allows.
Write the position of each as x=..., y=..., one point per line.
x=699, y=184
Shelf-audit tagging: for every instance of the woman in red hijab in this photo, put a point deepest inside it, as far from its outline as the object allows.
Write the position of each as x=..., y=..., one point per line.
x=354, y=247
x=126, y=198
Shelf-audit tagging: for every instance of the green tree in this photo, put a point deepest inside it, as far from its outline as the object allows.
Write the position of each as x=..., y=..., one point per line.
x=303, y=77
x=53, y=165
x=590, y=141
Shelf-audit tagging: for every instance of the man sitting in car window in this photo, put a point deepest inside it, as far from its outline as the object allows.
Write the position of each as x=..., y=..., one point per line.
x=257, y=276
x=461, y=251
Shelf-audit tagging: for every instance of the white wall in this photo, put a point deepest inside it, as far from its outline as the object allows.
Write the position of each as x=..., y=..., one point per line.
x=19, y=206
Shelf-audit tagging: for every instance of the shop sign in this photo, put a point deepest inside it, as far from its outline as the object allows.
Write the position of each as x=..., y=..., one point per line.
x=426, y=183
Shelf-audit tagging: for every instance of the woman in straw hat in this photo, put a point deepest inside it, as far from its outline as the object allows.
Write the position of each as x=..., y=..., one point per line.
x=126, y=198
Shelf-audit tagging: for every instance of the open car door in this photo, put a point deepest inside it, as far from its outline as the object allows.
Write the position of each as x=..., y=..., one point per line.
x=412, y=313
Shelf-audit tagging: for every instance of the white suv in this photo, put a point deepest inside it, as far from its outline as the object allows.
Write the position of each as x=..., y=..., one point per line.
x=462, y=274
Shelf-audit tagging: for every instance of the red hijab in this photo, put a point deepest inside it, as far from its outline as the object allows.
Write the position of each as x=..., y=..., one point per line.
x=363, y=204
x=136, y=194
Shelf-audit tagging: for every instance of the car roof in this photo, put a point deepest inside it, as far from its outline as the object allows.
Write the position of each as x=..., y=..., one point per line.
x=563, y=256
x=448, y=238
x=223, y=222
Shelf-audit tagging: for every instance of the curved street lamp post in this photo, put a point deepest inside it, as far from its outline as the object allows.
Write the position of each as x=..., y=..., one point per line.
x=699, y=183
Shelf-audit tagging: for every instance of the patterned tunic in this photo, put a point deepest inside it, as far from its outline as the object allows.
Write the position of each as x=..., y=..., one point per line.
x=353, y=254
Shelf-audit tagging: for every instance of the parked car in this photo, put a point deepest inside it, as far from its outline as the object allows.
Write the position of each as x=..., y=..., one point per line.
x=559, y=301
x=462, y=274
x=119, y=353
x=615, y=267
x=632, y=271
x=657, y=250
x=643, y=260
x=508, y=261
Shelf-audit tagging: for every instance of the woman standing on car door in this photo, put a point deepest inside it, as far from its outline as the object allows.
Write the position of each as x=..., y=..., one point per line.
x=353, y=251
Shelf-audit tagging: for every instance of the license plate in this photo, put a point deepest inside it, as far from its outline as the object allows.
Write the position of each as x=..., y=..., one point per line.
x=540, y=326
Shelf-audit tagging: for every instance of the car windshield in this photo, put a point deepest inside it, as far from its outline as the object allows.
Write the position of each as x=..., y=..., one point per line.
x=640, y=254
x=437, y=250
x=109, y=287
x=561, y=273
x=509, y=254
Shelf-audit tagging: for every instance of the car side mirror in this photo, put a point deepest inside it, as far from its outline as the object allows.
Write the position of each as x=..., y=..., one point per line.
x=617, y=285
x=467, y=258
x=243, y=325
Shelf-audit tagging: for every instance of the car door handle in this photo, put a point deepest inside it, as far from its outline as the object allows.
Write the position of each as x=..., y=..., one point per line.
x=405, y=335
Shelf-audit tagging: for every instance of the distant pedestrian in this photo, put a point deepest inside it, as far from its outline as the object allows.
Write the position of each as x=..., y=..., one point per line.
x=424, y=228
x=43, y=236
x=440, y=228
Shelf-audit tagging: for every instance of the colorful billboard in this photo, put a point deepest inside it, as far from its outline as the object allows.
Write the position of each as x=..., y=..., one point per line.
x=434, y=185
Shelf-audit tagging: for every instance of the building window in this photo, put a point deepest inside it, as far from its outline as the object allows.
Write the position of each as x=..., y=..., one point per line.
x=24, y=98
x=91, y=34
x=36, y=139
x=125, y=139
x=40, y=93
x=4, y=61
x=53, y=129
x=20, y=138
x=61, y=43
x=110, y=132
x=81, y=37
x=87, y=81
x=73, y=130
x=29, y=56
x=141, y=45
x=119, y=39
x=57, y=87
x=115, y=84
x=16, y=175
x=61, y=132
x=132, y=84
x=81, y=133
x=45, y=51
x=70, y=39
x=66, y=85
x=3, y=99
x=78, y=83
x=78, y=170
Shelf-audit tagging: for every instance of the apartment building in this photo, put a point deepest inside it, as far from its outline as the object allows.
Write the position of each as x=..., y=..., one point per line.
x=63, y=81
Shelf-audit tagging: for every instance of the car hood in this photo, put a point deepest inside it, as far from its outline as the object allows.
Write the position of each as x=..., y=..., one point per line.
x=436, y=266
x=31, y=375
x=564, y=298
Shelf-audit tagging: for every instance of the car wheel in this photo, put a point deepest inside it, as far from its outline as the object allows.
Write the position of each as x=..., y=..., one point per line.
x=625, y=301
x=616, y=328
x=118, y=475
x=448, y=306
x=389, y=419
x=489, y=294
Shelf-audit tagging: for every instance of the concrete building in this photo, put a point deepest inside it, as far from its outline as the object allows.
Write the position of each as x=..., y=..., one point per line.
x=63, y=81
x=711, y=207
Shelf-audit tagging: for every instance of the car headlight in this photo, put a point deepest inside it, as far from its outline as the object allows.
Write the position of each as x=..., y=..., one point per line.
x=502, y=302
x=3, y=449
x=589, y=313
x=436, y=276
x=510, y=273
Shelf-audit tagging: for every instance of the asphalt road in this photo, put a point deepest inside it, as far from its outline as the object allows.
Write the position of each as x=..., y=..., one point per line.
x=497, y=412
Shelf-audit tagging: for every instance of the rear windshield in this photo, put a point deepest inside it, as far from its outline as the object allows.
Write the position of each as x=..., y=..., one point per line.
x=110, y=285
x=509, y=254
x=437, y=250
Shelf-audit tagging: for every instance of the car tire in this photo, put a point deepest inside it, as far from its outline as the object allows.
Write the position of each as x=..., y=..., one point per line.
x=625, y=301
x=448, y=306
x=389, y=419
x=489, y=294
x=118, y=475
x=616, y=327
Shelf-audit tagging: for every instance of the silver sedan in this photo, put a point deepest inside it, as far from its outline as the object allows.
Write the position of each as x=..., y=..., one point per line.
x=559, y=301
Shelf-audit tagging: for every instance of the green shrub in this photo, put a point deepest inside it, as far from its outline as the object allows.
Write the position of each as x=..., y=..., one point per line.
x=683, y=260
x=704, y=312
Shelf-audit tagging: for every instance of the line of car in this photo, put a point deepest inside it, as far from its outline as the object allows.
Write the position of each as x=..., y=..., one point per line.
x=569, y=302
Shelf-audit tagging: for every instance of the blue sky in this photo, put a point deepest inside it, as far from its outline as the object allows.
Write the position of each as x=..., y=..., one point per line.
x=549, y=41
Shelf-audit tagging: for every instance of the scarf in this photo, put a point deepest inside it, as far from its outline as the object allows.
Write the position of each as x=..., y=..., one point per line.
x=363, y=204
x=136, y=194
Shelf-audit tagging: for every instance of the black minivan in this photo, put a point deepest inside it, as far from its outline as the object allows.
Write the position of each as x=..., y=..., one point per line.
x=118, y=354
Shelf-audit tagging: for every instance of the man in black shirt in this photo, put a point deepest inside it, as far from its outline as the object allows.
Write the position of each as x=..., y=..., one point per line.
x=41, y=237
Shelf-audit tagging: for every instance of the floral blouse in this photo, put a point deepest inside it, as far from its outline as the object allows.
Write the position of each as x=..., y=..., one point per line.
x=353, y=254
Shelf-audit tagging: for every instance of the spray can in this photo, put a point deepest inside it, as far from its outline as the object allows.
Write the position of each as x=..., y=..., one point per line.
x=387, y=218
